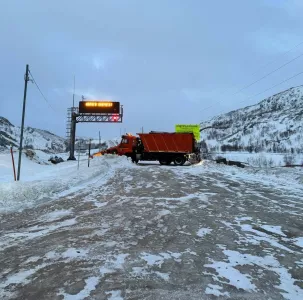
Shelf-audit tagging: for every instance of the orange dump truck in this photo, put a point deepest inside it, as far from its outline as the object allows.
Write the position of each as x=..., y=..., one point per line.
x=164, y=147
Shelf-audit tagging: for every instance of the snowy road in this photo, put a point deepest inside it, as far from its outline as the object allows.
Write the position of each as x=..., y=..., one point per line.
x=154, y=232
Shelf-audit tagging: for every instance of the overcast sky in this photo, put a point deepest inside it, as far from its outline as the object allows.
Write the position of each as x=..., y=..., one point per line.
x=166, y=61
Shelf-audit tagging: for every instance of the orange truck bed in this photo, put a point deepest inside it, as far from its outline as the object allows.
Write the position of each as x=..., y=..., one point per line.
x=168, y=142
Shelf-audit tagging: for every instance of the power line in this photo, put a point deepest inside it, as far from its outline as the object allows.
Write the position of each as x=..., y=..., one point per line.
x=268, y=74
x=267, y=64
x=34, y=81
x=273, y=86
x=268, y=89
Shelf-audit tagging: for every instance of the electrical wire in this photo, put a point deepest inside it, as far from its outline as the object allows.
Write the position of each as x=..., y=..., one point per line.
x=267, y=89
x=273, y=86
x=45, y=99
x=261, y=67
x=258, y=80
x=268, y=74
x=269, y=63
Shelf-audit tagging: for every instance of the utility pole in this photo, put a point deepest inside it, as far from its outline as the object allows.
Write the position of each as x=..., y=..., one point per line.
x=78, y=154
x=89, y=146
x=99, y=142
x=26, y=79
x=13, y=161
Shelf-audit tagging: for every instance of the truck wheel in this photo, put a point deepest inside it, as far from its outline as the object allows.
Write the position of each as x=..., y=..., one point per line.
x=134, y=159
x=179, y=161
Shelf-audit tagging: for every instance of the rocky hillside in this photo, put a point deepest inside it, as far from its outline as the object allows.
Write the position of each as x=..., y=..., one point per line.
x=33, y=138
x=83, y=143
x=274, y=125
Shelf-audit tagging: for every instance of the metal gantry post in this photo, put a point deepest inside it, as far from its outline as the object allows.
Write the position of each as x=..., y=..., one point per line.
x=72, y=137
x=78, y=117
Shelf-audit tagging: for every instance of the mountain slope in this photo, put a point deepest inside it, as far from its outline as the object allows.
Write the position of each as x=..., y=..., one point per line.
x=275, y=124
x=33, y=138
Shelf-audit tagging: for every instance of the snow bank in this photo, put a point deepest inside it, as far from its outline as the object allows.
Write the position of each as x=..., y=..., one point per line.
x=261, y=159
x=42, y=182
x=286, y=178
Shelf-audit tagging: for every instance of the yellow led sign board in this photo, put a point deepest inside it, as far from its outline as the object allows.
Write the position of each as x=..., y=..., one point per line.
x=195, y=129
x=99, y=107
x=98, y=104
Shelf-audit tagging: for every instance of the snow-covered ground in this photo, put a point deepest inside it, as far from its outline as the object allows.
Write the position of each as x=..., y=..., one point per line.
x=288, y=178
x=30, y=167
x=41, y=180
x=122, y=231
x=261, y=159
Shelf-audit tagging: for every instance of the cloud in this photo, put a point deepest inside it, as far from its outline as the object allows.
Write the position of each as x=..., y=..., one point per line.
x=155, y=57
x=101, y=59
x=98, y=63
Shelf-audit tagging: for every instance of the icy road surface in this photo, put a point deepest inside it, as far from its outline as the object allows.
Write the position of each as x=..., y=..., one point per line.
x=154, y=232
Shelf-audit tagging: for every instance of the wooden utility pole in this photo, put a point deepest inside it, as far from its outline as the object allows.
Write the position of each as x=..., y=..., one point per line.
x=13, y=161
x=26, y=79
x=89, y=146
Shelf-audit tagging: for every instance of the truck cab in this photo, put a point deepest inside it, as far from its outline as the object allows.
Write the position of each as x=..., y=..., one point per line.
x=125, y=147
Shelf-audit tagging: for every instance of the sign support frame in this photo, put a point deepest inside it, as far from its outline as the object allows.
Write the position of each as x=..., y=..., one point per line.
x=90, y=118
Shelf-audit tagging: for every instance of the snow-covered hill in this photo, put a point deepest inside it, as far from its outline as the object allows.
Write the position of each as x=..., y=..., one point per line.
x=83, y=143
x=275, y=125
x=33, y=138
x=44, y=140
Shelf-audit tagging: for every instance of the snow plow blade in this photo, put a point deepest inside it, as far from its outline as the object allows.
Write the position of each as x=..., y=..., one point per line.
x=194, y=159
x=96, y=154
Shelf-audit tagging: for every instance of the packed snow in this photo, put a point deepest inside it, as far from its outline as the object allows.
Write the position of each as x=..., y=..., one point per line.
x=261, y=159
x=203, y=231
x=40, y=182
x=118, y=220
x=90, y=285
